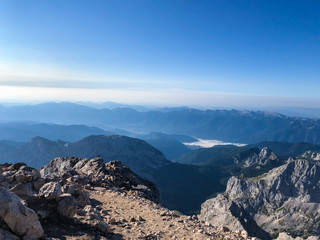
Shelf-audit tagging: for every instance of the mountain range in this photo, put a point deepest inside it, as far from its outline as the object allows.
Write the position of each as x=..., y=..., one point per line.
x=226, y=155
x=23, y=131
x=171, y=145
x=225, y=125
x=183, y=186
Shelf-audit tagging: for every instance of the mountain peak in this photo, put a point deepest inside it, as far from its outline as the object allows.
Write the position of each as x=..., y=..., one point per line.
x=264, y=157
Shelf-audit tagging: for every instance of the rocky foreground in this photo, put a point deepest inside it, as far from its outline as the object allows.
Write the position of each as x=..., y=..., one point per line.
x=73, y=198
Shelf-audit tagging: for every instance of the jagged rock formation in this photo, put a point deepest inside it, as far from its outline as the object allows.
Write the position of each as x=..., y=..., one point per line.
x=74, y=198
x=95, y=172
x=284, y=200
x=311, y=155
x=263, y=158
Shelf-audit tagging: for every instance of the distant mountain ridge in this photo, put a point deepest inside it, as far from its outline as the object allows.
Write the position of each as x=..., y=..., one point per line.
x=225, y=155
x=23, y=132
x=139, y=155
x=224, y=125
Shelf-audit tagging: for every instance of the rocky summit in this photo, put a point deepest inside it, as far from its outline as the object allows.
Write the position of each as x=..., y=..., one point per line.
x=75, y=198
x=311, y=155
x=264, y=157
x=286, y=199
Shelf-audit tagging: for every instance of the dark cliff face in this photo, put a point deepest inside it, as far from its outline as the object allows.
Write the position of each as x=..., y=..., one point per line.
x=284, y=199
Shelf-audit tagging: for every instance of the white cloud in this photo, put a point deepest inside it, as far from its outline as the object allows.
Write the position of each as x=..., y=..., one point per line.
x=206, y=143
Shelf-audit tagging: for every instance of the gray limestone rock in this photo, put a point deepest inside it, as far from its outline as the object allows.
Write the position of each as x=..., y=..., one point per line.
x=23, y=190
x=58, y=167
x=97, y=173
x=6, y=235
x=103, y=227
x=51, y=190
x=67, y=205
x=220, y=211
x=286, y=199
x=21, y=220
x=82, y=197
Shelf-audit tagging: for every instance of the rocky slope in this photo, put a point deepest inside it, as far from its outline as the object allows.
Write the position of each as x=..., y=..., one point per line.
x=73, y=198
x=286, y=199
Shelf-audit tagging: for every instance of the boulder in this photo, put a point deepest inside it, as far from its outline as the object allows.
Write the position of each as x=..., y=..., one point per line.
x=37, y=184
x=9, y=176
x=61, y=166
x=51, y=190
x=67, y=205
x=23, y=190
x=82, y=197
x=6, y=235
x=21, y=220
x=103, y=227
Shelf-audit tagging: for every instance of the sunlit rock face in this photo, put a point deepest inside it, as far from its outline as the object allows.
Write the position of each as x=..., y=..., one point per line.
x=286, y=199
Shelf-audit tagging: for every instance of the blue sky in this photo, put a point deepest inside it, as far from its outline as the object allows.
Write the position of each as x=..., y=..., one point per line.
x=206, y=53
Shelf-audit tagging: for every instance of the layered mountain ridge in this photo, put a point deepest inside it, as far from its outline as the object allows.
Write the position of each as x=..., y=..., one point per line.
x=225, y=125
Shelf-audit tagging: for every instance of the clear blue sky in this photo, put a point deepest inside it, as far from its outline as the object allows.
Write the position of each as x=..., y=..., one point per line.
x=151, y=51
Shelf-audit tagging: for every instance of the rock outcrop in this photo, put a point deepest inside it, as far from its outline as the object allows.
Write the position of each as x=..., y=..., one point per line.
x=95, y=172
x=284, y=200
x=220, y=211
x=311, y=155
x=32, y=201
x=264, y=157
